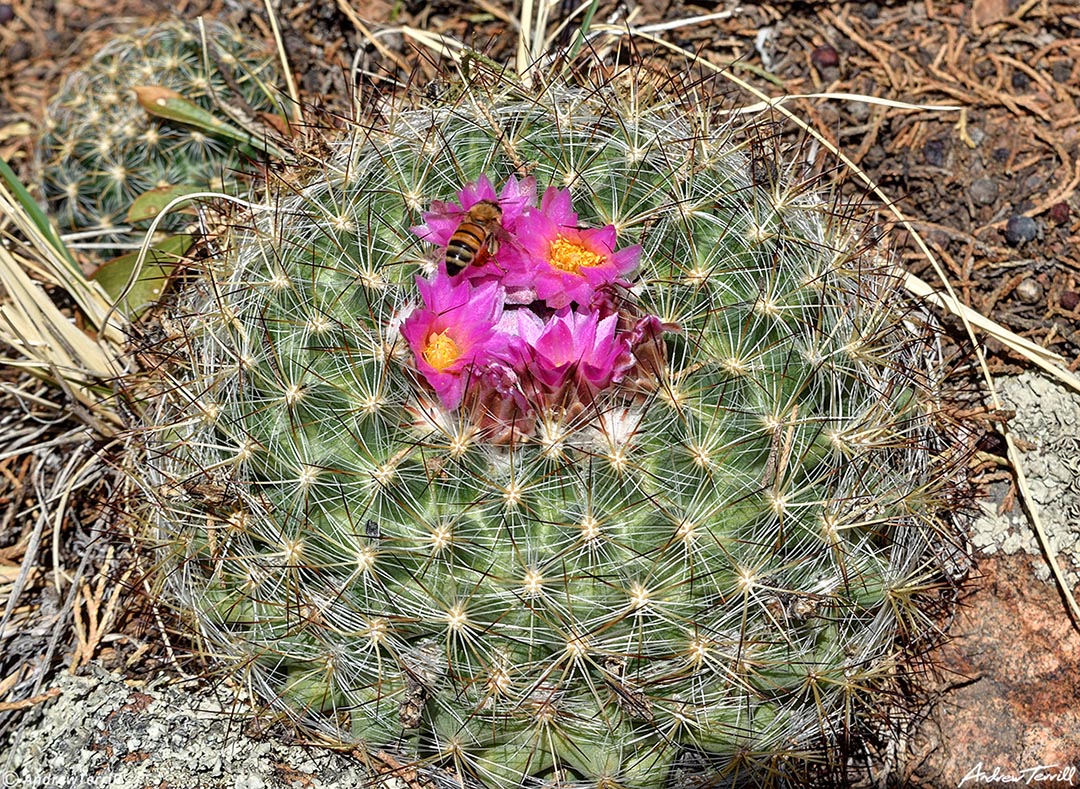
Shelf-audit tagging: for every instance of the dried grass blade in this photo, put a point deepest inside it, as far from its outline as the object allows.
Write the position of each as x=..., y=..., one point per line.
x=92, y=300
x=1046, y=359
x=39, y=331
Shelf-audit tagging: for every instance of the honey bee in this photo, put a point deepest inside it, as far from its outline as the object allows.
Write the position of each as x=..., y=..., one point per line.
x=475, y=239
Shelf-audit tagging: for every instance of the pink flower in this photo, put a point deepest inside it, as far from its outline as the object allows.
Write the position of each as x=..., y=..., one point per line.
x=443, y=220
x=574, y=348
x=541, y=320
x=453, y=333
x=565, y=263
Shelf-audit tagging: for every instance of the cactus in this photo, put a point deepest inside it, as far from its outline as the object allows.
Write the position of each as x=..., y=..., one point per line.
x=705, y=565
x=99, y=148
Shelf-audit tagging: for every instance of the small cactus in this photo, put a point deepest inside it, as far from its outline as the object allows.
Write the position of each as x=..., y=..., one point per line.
x=702, y=561
x=100, y=149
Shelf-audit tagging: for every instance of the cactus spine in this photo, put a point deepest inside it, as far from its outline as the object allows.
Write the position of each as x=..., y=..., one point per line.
x=100, y=149
x=704, y=575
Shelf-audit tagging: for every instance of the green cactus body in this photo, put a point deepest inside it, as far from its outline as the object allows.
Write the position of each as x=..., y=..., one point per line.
x=100, y=149
x=693, y=577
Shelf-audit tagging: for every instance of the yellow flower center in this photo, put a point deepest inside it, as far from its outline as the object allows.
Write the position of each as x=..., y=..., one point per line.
x=441, y=351
x=570, y=257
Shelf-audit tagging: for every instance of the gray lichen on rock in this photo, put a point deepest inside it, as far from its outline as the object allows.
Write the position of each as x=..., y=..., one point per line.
x=1048, y=421
x=103, y=731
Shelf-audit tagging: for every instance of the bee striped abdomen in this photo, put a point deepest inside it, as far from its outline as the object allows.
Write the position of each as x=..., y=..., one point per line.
x=464, y=246
x=472, y=241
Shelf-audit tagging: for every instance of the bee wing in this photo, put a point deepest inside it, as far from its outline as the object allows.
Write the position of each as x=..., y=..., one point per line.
x=440, y=221
x=500, y=236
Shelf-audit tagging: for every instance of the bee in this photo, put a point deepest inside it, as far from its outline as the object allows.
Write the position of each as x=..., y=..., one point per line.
x=475, y=239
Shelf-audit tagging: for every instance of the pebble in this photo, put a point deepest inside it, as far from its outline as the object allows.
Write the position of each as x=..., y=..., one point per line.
x=825, y=56
x=993, y=442
x=859, y=111
x=6, y=13
x=1020, y=229
x=934, y=153
x=1069, y=300
x=871, y=10
x=18, y=52
x=984, y=191
x=1059, y=213
x=1062, y=70
x=1020, y=80
x=1029, y=291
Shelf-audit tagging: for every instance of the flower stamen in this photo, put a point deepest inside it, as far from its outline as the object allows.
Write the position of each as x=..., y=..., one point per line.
x=441, y=351
x=567, y=256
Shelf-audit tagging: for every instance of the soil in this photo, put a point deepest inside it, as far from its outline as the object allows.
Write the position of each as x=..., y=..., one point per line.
x=991, y=186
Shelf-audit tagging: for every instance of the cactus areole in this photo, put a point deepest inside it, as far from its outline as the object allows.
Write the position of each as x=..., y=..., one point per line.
x=641, y=491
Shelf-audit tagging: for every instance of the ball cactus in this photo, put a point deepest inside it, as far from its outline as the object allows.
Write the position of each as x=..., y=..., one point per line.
x=701, y=557
x=99, y=149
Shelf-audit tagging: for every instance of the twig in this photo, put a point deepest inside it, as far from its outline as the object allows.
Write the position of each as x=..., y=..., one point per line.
x=33, y=701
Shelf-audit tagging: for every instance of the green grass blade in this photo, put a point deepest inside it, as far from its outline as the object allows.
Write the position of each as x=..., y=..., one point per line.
x=33, y=210
x=583, y=30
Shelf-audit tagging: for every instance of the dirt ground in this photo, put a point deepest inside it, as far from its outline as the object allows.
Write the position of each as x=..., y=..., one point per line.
x=991, y=186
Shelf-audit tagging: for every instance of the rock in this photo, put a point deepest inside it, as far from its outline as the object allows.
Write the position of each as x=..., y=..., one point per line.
x=18, y=51
x=1016, y=660
x=935, y=153
x=1020, y=229
x=1048, y=419
x=1059, y=213
x=984, y=191
x=1029, y=291
x=103, y=731
x=1020, y=81
x=824, y=57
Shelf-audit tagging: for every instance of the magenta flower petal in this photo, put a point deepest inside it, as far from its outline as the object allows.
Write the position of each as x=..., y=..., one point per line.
x=609, y=358
x=573, y=344
x=565, y=263
x=440, y=222
x=557, y=206
x=480, y=189
x=515, y=198
x=452, y=333
x=529, y=326
x=443, y=218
